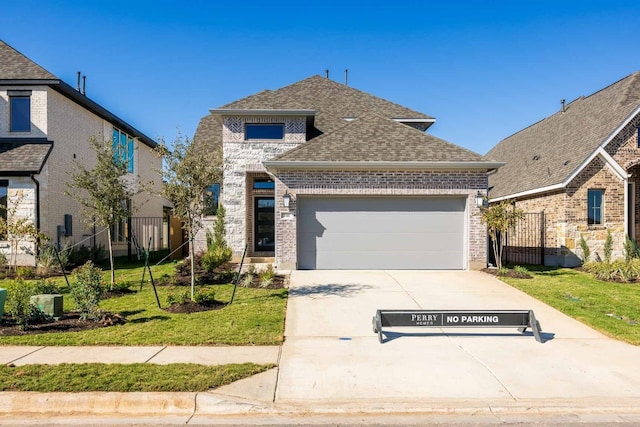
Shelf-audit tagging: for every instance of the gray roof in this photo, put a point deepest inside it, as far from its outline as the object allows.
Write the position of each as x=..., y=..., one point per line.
x=23, y=156
x=16, y=66
x=549, y=151
x=374, y=138
x=17, y=69
x=332, y=101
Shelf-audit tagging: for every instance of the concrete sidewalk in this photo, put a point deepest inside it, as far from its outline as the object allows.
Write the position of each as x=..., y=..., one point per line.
x=162, y=355
x=331, y=363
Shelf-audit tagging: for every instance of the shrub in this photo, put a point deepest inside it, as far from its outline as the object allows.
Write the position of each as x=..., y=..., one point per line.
x=45, y=287
x=205, y=296
x=247, y=280
x=266, y=276
x=522, y=270
x=630, y=249
x=3, y=260
x=215, y=257
x=586, y=252
x=24, y=272
x=503, y=271
x=87, y=290
x=19, y=304
x=177, y=296
x=47, y=261
x=601, y=270
x=608, y=247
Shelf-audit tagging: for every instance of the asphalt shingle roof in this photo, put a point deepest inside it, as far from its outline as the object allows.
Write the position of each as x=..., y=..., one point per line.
x=549, y=151
x=332, y=101
x=23, y=156
x=374, y=138
x=16, y=66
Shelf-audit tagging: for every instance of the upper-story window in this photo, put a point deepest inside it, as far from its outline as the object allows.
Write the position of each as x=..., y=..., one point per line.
x=264, y=131
x=594, y=207
x=20, y=111
x=123, y=149
x=263, y=184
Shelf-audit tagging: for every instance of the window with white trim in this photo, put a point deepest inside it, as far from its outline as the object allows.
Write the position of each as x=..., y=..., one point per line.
x=594, y=206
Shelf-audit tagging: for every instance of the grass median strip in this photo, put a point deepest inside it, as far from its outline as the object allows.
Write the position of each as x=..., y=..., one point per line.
x=256, y=317
x=137, y=377
x=609, y=307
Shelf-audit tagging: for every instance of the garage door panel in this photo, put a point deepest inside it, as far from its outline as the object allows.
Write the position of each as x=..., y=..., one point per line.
x=381, y=233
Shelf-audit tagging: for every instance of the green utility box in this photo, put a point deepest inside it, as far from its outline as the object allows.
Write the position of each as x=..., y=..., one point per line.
x=3, y=298
x=50, y=304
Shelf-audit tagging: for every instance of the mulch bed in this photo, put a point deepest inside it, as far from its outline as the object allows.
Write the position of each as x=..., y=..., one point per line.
x=70, y=322
x=509, y=273
x=194, y=307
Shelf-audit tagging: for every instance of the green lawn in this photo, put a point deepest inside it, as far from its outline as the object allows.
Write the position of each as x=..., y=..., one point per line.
x=136, y=377
x=256, y=317
x=611, y=308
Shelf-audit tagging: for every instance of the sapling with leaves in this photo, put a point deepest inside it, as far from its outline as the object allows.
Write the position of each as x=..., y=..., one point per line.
x=499, y=218
x=104, y=190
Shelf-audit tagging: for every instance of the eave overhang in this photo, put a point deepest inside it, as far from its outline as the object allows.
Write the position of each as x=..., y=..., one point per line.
x=599, y=152
x=262, y=112
x=273, y=166
x=82, y=100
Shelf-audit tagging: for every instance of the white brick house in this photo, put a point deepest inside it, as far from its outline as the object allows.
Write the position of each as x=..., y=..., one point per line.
x=45, y=125
x=366, y=187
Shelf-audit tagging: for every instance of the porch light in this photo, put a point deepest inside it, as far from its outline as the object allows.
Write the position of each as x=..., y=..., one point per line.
x=286, y=199
x=479, y=199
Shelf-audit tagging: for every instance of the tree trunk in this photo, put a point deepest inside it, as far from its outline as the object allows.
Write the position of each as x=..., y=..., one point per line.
x=113, y=270
x=193, y=264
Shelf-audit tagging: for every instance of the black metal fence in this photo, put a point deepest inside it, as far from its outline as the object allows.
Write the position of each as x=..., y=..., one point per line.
x=525, y=242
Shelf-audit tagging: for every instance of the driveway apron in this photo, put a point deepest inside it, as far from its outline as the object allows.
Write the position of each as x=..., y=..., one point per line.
x=332, y=355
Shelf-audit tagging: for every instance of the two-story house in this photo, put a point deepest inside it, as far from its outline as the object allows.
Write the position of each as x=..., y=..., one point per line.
x=45, y=125
x=319, y=175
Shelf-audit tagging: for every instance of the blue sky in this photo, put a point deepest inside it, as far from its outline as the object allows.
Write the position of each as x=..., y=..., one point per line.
x=484, y=69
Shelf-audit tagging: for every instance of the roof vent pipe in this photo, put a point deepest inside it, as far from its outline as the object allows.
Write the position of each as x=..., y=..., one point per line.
x=78, y=88
x=84, y=85
x=346, y=77
x=562, y=101
x=326, y=73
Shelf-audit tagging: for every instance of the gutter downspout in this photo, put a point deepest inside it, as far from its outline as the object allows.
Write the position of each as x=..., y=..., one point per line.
x=33, y=178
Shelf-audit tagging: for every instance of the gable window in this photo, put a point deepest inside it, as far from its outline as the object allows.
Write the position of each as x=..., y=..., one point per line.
x=123, y=149
x=211, y=197
x=20, y=113
x=264, y=131
x=594, y=207
x=4, y=185
x=263, y=184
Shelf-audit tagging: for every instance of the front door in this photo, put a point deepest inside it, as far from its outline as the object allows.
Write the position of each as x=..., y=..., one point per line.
x=264, y=224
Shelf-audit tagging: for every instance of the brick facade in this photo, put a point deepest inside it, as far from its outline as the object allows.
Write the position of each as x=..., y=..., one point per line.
x=566, y=210
x=377, y=182
x=70, y=126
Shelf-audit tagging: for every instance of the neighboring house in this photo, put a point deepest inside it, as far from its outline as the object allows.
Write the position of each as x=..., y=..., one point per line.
x=45, y=125
x=323, y=176
x=581, y=167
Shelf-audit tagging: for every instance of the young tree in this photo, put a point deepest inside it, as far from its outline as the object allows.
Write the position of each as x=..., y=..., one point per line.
x=499, y=218
x=104, y=190
x=17, y=229
x=188, y=169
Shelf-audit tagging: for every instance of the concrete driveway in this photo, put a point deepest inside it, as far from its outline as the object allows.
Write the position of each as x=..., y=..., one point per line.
x=332, y=357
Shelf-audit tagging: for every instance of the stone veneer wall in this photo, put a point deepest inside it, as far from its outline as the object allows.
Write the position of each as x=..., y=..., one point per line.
x=377, y=182
x=241, y=157
x=22, y=191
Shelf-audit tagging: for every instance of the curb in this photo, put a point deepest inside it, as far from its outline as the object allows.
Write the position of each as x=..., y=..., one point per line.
x=210, y=403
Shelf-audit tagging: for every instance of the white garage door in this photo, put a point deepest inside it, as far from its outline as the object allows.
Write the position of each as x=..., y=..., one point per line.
x=373, y=233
